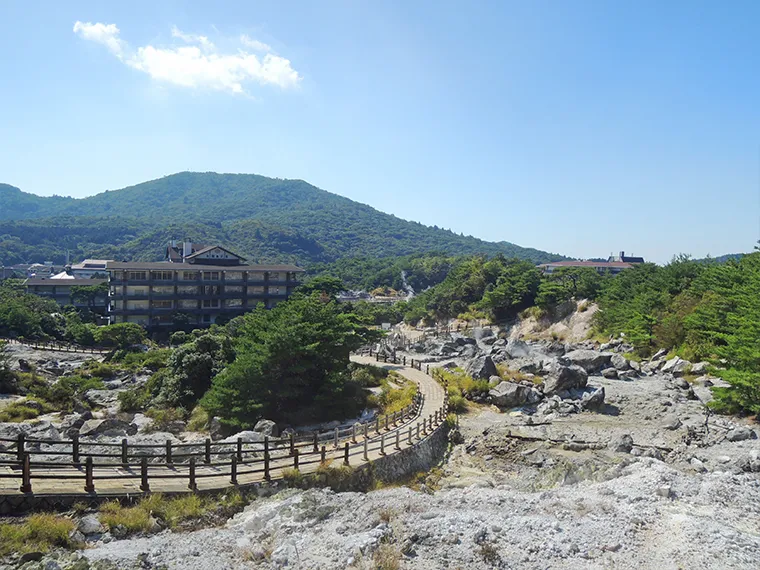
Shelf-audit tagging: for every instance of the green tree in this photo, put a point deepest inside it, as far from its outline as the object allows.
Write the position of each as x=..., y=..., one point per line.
x=121, y=335
x=291, y=365
x=89, y=294
x=191, y=368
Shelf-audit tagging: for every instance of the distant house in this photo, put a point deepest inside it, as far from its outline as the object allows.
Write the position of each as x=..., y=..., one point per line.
x=59, y=290
x=614, y=264
x=90, y=268
x=196, y=285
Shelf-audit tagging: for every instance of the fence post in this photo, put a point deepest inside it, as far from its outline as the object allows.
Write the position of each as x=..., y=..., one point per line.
x=353, y=438
x=233, y=469
x=395, y=419
x=144, y=475
x=427, y=369
x=377, y=424
x=366, y=429
x=386, y=423
x=192, y=485
x=26, y=474
x=409, y=435
x=316, y=442
x=323, y=455
x=405, y=361
x=398, y=440
x=292, y=444
x=382, y=444
x=295, y=459
x=266, y=458
x=366, y=458
x=337, y=436
x=89, y=484
x=418, y=431
x=124, y=453
x=207, y=453
x=20, y=447
x=240, y=449
x=345, y=453
x=75, y=448
x=169, y=451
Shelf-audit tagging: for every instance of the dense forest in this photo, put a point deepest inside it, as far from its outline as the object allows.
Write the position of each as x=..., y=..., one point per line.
x=263, y=219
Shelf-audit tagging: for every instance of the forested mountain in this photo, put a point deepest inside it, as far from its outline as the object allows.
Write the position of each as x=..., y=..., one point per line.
x=264, y=219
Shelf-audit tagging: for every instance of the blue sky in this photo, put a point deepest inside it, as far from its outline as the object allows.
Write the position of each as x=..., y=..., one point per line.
x=579, y=127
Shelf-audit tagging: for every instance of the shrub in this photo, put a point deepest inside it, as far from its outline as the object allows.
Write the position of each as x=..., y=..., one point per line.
x=179, y=337
x=164, y=417
x=457, y=404
x=199, y=419
x=134, y=400
x=68, y=388
x=100, y=370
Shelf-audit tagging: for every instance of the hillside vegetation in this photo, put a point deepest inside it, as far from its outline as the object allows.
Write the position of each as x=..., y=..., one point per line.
x=264, y=219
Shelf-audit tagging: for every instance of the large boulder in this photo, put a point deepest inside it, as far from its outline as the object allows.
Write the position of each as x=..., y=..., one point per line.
x=511, y=395
x=564, y=378
x=481, y=367
x=590, y=360
x=699, y=369
x=109, y=427
x=246, y=436
x=267, y=427
x=102, y=398
x=72, y=423
x=619, y=363
x=89, y=524
x=593, y=399
x=741, y=433
x=676, y=366
x=518, y=349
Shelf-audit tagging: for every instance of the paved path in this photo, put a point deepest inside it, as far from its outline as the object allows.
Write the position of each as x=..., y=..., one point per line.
x=109, y=481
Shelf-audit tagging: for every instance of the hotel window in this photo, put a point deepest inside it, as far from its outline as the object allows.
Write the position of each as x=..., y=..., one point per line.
x=187, y=290
x=274, y=290
x=274, y=276
x=233, y=303
x=233, y=289
x=233, y=275
x=210, y=290
x=162, y=275
x=188, y=276
x=162, y=304
x=210, y=303
x=187, y=304
x=137, y=275
x=210, y=275
x=257, y=290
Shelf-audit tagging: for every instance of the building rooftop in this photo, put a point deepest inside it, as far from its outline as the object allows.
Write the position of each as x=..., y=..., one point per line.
x=63, y=282
x=169, y=266
x=91, y=264
x=610, y=264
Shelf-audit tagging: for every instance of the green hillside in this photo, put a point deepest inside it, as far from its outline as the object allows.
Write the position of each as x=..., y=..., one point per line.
x=262, y=218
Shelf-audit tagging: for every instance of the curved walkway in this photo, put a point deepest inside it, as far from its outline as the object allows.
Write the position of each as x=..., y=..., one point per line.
x=240, y=464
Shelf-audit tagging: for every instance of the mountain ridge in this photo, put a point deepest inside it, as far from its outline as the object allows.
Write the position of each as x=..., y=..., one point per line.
x=247, y=211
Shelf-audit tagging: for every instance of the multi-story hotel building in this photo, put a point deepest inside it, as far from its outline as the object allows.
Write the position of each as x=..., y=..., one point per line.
x=194, y=287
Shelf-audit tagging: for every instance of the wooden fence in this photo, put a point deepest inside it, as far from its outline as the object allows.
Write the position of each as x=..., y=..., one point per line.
x=58, y=346
x=192, y=461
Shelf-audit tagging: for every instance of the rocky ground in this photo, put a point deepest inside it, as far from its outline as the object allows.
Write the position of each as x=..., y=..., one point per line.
x=603, y=463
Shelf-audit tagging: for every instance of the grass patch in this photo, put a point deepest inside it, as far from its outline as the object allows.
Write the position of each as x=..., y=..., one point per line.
x=133, y=361
x=293, y=477
x=39, y=533
x=392, y=399
x=459, y=385
x=172, y=511
x=164, y=417
x=25, y=410
x=387, y=557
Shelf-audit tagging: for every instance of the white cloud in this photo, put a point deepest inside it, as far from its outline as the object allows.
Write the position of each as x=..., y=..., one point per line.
x=255, y=45
x=106, y=34
x=198, y=64
x=191, y=38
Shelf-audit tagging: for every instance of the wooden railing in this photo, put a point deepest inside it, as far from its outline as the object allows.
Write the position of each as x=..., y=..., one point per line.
x=58, y=346
x=192, y=461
